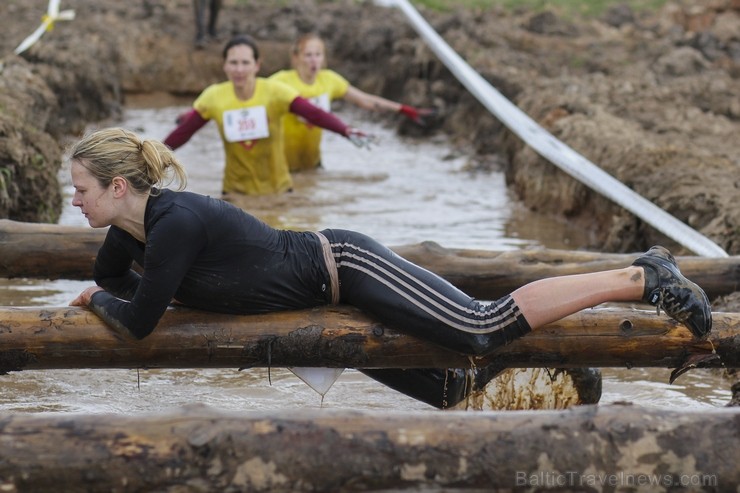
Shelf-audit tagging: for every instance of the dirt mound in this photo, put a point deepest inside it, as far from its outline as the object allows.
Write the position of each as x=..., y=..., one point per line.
x=652, y=98
x=29, y=156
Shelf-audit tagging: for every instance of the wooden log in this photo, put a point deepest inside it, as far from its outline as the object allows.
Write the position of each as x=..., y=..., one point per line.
x=490, y=275
x=48, y=251
x=53, y=252
x=589, y=448
x=70, y=337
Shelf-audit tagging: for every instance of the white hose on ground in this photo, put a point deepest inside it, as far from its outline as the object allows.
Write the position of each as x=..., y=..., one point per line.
x=551, y=148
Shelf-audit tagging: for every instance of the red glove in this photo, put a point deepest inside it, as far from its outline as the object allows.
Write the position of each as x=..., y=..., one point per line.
x=417, y=115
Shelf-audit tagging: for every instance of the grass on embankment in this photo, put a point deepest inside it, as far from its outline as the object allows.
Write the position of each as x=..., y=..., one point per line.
x=586, y=8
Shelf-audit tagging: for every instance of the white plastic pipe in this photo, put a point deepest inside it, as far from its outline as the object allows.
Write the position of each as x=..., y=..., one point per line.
x=551, y=148
x=47, y=24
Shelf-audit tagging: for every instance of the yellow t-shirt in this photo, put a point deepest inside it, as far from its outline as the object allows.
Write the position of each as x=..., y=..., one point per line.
x=252, y=135
x=303, y=140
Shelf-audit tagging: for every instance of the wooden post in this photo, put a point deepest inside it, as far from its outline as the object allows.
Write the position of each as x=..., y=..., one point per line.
x=70, y=337
x=52, y=252
x=589, y=448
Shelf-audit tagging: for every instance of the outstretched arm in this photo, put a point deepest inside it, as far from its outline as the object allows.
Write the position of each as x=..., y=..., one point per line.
x=371, y=102
x=316, y=116
x=377, y=103
x=187, y=125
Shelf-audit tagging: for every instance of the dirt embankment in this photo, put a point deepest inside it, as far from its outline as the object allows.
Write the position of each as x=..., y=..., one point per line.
x=653, y=99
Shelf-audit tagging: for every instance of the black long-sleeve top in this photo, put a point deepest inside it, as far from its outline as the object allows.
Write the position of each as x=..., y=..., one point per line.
x=207, y=254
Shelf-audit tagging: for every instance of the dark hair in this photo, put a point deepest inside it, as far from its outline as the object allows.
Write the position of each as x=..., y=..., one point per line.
x=242, y=39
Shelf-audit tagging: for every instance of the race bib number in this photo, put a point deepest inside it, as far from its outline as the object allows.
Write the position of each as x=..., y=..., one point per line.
x=246, y=124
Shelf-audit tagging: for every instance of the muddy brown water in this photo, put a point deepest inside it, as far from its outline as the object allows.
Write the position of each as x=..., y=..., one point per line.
x=400, y=192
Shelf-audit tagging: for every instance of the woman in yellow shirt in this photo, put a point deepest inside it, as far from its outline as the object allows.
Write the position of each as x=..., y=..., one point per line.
x=248, y=111
x=321, y=86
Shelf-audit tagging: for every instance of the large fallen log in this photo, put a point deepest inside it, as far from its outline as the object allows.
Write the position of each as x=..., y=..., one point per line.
x=52, y=252
x=69, y=337
x=490, y=275
x=47, y=251
x=590, y=448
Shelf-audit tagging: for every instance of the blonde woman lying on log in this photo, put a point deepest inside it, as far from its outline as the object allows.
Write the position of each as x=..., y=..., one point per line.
x=210, y=255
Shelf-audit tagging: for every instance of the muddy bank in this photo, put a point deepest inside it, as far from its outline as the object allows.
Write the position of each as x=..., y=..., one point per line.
x=652, y=98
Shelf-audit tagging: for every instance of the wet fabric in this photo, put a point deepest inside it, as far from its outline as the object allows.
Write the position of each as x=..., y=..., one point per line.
x=208, y=254
x=403, y=295
x=253, y=166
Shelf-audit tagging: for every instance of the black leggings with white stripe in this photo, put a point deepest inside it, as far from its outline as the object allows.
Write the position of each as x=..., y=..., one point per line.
x=403, y=295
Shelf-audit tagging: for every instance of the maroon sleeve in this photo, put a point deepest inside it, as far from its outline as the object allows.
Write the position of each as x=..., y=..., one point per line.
x=317, y=116
x=188, y=124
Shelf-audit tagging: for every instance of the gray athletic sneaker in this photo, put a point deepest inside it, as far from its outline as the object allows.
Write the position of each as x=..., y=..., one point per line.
x=667, y=288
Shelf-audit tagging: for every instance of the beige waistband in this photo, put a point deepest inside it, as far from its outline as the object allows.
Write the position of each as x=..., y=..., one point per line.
x=331, y=266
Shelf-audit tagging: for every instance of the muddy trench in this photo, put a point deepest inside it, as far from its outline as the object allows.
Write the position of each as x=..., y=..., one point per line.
x=650, y=97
